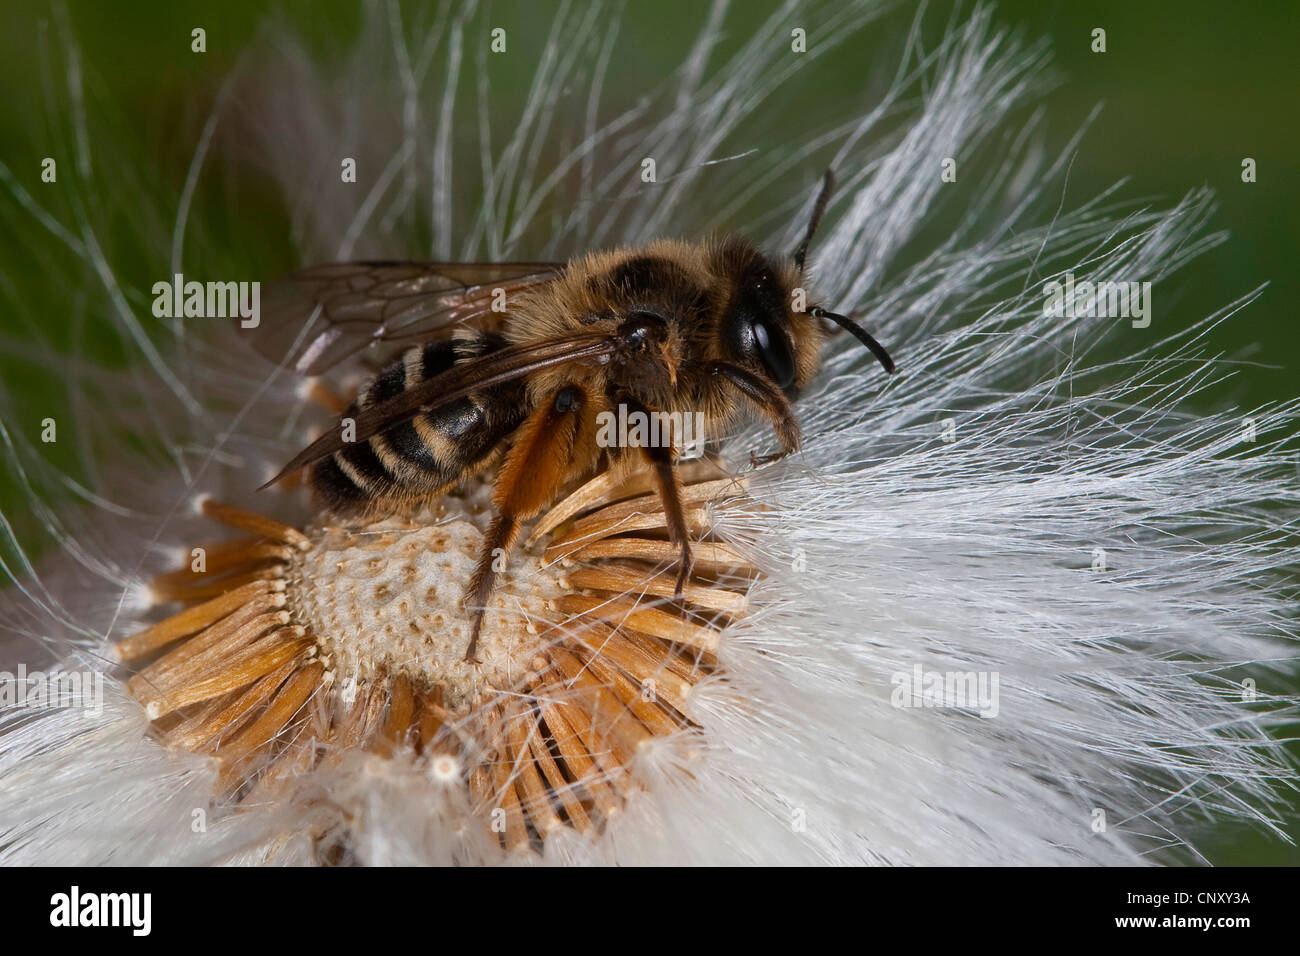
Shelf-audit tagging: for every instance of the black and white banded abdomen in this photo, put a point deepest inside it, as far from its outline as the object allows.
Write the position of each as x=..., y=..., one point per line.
x=430, y=452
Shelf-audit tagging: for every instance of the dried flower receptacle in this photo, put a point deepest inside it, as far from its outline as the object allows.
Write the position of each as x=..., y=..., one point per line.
x=297, y=647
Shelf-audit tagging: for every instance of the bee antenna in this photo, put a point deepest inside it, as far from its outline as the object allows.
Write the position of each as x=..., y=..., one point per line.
x=823, y=198
x=858, y=333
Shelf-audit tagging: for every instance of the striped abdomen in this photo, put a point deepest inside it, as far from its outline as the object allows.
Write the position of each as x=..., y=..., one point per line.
x=433, y=450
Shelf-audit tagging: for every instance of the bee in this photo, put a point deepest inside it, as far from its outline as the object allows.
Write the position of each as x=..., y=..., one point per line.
x=525, y=357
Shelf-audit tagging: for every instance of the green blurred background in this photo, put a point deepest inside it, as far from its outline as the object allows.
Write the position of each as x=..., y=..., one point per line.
x=1188, y=90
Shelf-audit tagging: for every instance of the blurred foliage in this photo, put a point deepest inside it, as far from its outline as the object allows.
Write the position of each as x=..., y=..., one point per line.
x=1188, y=90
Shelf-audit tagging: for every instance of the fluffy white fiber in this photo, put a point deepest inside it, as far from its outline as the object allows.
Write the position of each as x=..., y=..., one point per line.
x=1024, y=499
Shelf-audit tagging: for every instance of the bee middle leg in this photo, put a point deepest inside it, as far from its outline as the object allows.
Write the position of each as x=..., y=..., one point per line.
x=664, y=461
x=535, y=468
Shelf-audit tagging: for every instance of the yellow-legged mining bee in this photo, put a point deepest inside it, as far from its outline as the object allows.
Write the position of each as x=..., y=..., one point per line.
x=670, y=327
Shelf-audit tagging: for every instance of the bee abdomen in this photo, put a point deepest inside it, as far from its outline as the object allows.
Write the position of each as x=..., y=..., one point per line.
x=427, y=453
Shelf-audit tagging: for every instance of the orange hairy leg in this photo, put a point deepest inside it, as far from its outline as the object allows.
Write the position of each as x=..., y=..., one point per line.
x=540, y=459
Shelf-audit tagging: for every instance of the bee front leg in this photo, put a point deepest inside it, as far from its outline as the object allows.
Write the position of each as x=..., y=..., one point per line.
x=539, y=461
x=758, y=461
x=773, y=403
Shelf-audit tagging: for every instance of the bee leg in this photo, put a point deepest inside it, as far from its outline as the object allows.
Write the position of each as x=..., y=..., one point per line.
x=663, y=461
x=771, y=400
x=497, y=543
x=758, y=461
x=539, y=461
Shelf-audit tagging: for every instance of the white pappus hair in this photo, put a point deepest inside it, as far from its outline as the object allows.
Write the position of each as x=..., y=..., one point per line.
x=1026, y=499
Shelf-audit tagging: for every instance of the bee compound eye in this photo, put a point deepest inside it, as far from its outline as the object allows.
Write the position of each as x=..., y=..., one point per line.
x=774, y=353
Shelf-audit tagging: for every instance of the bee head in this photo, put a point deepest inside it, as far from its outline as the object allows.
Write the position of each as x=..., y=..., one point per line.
x=767, y=325
x=762, y=325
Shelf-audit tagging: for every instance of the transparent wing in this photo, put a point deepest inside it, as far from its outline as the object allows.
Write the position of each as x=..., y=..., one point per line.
x=465, y=378
x=317, y=317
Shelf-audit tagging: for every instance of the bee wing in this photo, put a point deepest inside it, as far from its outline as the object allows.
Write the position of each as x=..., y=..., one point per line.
x=317, y=317
x=463, y=379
